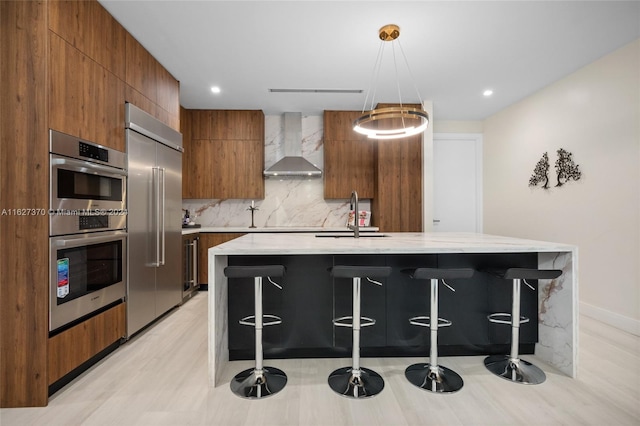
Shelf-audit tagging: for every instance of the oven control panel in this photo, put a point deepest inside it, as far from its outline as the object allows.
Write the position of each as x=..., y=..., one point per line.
x=93, y=222
x=93, y=152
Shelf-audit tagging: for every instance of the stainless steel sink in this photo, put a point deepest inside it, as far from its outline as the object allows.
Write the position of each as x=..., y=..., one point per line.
x=348, y=234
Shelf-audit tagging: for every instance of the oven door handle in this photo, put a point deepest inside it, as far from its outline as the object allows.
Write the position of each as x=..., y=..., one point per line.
x=87, y=166
x=87, y=241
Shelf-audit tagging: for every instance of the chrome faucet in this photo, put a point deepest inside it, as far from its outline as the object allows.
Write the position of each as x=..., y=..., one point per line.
x=353, y=205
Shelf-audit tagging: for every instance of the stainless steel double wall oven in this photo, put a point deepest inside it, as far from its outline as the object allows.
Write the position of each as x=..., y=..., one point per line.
x=87, y=228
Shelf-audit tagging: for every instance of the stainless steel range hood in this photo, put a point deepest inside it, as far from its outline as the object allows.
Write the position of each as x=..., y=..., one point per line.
x=293, y=164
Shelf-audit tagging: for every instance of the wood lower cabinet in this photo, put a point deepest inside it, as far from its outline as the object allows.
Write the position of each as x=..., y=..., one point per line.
x=72, y=347
x=208, y=240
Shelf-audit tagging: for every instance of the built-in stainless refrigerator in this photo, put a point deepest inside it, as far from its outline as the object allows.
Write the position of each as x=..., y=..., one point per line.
x=154, y=206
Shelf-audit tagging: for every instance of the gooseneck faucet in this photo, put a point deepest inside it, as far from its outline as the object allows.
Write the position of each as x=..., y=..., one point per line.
x=353, y=205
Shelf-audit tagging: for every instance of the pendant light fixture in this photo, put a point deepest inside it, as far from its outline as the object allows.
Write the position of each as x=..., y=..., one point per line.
x=381, y=123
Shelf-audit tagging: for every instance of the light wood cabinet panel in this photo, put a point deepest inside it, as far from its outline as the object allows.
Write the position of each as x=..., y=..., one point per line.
x=85, y=99
x=88, y=27
x=349, y=158
x=69, y=349
x=207, y=241
x=24, y=159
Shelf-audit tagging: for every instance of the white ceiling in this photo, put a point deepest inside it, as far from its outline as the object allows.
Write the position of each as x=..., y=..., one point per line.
x=455, y=49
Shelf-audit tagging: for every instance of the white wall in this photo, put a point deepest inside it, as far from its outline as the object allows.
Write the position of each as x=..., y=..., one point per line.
x=595, y=114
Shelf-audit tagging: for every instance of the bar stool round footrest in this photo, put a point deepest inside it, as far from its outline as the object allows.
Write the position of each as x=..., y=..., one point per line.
x=504, y=318
x=425, y=321
x=439, y=379
x=364, y=321
x=251, y=320
x=252, y=384
x=514, y=369
x=346, y=383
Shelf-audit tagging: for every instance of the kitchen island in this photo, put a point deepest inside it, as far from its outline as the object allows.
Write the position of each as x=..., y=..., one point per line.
x=313, y=298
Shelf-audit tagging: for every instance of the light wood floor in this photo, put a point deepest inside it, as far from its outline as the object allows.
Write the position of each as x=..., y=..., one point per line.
x=160, y=378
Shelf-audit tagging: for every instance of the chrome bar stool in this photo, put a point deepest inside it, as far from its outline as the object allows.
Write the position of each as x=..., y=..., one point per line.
x=511, y=367
x=260, y=381
x=357, y=381
x=431, y=376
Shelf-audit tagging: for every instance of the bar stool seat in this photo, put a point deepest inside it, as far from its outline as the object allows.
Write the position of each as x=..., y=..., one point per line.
x=431, y=376
x=356, y=381
x=511, y=367
x=260, y=381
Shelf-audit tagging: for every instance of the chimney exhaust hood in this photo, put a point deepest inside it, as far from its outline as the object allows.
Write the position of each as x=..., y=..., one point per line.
x=292, y=164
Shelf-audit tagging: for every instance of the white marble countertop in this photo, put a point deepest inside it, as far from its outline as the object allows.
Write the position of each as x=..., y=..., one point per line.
x=403, y=243
x=270, y=229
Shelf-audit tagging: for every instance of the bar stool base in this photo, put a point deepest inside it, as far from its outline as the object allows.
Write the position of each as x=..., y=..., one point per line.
x=444, y=380
x=343, y=381
x=518, y=371
x=247, y=384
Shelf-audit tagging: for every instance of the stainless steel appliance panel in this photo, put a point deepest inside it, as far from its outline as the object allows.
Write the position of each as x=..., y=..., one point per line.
x=168, y=282
x=143, y=232
x=88, y=185
x=154, y=218
x=87, y=272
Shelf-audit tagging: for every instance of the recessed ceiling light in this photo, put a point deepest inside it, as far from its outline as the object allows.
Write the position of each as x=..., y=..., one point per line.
x=487, y=93
x=215, y=89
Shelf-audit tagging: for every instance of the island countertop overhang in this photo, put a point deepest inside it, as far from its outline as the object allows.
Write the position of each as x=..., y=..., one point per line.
x=391, y=243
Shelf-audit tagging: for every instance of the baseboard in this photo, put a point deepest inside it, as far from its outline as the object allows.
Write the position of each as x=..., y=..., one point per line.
x=613, y=319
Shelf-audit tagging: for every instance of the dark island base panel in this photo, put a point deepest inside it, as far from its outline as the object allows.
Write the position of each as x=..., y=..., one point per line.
x=311, y=298
x=443, y=351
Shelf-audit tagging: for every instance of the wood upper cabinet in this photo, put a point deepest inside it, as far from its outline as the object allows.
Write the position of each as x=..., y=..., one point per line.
x=224, y=157
x=88, y=27
x=227, y=124
x=85, y=99
x=349, y=158
x=145, y=75
x=387, y=172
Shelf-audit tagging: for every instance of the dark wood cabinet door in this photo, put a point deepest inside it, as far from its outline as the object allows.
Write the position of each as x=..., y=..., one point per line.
x=208, y=240
x=349, y=158
x=225, y=157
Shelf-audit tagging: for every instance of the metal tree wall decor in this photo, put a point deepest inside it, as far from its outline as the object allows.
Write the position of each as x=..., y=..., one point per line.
x=541, y=172
x=566, y=170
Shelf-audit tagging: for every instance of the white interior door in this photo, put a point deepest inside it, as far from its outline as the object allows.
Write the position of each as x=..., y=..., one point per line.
x=457, y=182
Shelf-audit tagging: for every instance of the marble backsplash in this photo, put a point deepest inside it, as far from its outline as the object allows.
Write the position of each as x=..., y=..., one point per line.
x=288, y=201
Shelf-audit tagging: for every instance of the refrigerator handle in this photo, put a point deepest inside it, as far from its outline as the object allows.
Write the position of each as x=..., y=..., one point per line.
x=155, y=174
x=162, y=212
